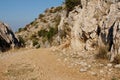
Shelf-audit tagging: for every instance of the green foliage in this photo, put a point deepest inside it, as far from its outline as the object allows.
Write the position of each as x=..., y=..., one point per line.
x=21, y=40
x=35, y=42
x=41, y=16
x=42, y=33
x=34, y=23
x=33, y=36
x=38, y=46
x=20, y=29
x=70, y=4
x=51, y=33
x=114, y=78
x=48, y=34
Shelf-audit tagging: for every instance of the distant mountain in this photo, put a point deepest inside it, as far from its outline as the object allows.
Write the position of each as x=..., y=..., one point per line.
x=7, y=38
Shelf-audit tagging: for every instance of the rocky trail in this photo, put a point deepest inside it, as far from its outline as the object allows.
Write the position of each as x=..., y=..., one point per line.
x=45, y=64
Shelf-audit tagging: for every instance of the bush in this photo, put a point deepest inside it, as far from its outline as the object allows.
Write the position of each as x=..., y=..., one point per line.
x=21, y=40
x=34, y=36
x=38, y=46
x=117, y=59
x=48, y=34
x=41, y=16
x=34, y=23
x=70, y=4
x=20, y=29
x=102, y=53
x=42, y=33
x=51, y=33
x=35, y=42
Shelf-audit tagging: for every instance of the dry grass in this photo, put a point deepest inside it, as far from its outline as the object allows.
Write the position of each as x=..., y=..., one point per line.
x=102, y=53
x=117, y=59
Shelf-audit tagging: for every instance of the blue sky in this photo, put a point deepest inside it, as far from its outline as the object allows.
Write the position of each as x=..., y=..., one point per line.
x=18, y=13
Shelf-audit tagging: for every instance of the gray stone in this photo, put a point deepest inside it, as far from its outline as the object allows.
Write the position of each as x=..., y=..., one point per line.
x=83, y=69
x=117, y=66
x=109, y=65
x=7, y=38
x=93, y=73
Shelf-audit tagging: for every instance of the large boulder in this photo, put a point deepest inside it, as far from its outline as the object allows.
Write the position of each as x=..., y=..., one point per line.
x=7, y=38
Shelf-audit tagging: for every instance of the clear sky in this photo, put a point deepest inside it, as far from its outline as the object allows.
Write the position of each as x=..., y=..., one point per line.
x=18, y=13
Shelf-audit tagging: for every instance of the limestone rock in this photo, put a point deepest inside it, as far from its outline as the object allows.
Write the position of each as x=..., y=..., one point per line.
x=7, y=38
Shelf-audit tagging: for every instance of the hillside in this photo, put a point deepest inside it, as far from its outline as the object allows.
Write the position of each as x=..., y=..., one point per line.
x=90, y=25
x=79, y=40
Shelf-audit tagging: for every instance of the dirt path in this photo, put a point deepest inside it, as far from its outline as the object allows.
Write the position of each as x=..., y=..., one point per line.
x=38, y=64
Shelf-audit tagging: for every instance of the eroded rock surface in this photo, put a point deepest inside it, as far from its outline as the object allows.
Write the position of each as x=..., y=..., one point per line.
x=7, y=38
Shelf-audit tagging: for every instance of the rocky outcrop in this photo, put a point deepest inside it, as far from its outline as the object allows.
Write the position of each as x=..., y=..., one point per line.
x=96, y=24
x=7, y=38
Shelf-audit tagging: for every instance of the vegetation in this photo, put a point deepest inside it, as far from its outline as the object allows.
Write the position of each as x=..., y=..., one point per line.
x=117, y=59
x=35, y=42
x=21, y=40
x=34, y=23
x=41, y=16
x=70, y=4
x=48, y=34
x=20, y=29
x=102, y=53
x=114, y=78
x=38, y=46
x=33, y=36
x=54, y=10
x=51, y=33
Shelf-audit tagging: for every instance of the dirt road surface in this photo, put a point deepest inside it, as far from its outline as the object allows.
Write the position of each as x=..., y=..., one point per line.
x=37, y=64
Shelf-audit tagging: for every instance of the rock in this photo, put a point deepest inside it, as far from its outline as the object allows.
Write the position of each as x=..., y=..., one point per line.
x=93, y=73
x=109, y=65
x=94, y=25
x=8, y=39
x=117, y=66
x=89, y=66
x=83, y=69
x=101, y=72
x=83, y=64
x=101, y=65
x=102, y=79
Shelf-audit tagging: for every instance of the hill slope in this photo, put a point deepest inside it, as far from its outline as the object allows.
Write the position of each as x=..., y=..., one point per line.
x=90, y=25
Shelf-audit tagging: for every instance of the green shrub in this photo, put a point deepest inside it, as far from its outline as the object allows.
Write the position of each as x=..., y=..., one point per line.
x=35, y=42
x=54, y=10
x=38, y=46
x=21, y=40
x=33, y=36
x=70, y=4
x=41, y=16
x=20, y=29
x=48, y=34
x=34, y=23
x=51, y=33
x=42, y=33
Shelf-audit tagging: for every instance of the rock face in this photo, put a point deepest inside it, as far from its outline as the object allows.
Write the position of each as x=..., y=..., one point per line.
x=96, y=24
x=7, y=38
